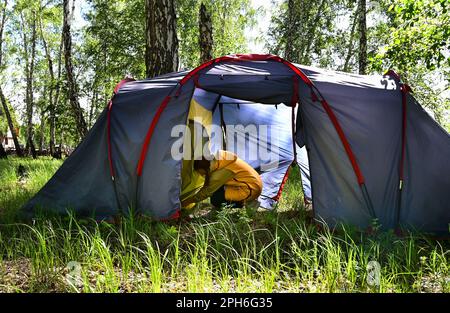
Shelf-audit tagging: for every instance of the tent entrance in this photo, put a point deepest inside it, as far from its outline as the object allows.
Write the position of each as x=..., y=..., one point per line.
x=260, y=134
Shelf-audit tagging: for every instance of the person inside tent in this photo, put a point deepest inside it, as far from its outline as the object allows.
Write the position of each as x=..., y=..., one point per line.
x=228, y=180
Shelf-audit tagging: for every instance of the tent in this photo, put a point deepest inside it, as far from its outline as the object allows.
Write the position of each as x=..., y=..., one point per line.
x=366, y=148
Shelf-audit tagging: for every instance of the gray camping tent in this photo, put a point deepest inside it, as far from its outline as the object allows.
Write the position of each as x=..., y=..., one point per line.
x=371, y=149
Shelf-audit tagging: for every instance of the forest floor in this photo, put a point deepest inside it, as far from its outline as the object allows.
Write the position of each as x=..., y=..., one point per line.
x=244, y=250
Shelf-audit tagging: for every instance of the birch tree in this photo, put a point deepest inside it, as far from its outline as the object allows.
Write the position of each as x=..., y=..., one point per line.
x=362, y=28
x=161, y=50
x=206, y=34
x=77, y=111
x=3, y=100
x=27, y=14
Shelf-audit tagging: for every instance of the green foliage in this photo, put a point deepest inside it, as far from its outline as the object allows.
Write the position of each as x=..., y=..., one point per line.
x=230, y=18
x=309, y=29
x=419, y=32
x=415, y=41
x=411, y=37
x=113, y=47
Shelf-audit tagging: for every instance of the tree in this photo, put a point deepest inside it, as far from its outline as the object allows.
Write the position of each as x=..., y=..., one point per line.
x=290, y=32
x=419, y=31
x=303, y=30
x=11, y=123
x=229, y=20
x=54, y=82
x=27, y=19
x=415, y=42
x=3, y=154
x=3, y=100
x=350, y=46
x=206, y=34
x=362, y=37
x=77, y=111
x=107, y=53
x=161, y=49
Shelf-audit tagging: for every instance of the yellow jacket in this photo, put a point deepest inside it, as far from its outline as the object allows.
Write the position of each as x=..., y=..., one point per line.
x=241, y=181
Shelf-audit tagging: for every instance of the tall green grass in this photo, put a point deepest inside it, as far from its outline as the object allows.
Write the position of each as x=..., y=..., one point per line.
x=244, y=250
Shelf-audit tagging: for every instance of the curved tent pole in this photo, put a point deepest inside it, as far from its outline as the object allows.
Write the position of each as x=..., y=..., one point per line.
x=404, y=89
x=347, y=148
x=147, y=139
x=110, y=104
x=108, y=136
x=264, y=57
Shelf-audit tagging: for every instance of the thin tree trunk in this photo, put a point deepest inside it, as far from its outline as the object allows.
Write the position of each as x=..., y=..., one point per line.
x=51, y=106
x=206, y=34
x=161, y=48
x=93, y=105
x=29, y=71
x=52, y=122
x=32, y=148
x=289, y=51
x=10, y=124
x=56, y=102
x=41, y=134
x=304, y=58
x=28, y=108
x=72, y=87
x=2, y=96
x=350, y=43
x=42, y=125
x=3, y=154
x=362, y=37
x=2, y=28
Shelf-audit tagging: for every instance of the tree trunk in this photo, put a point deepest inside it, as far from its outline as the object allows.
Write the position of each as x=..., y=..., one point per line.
x=305, y=56
x=362, y=37
x=2, y=28
x=289, y=40
x=350, y=43
x=51, y=100
x=161, y=42
x=10, y=124
x=42, y=124
x=93, y=106
x=206, y=34
x=2, y=96
x=33, y=150
x=41, y=135
x=3, y=154
x=77, y=111
x=29, y=70
x=55, y=103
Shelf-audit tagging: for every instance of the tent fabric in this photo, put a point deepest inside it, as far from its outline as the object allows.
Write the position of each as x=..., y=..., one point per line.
x=83, y=183
x=262, y=138
x=348, y=129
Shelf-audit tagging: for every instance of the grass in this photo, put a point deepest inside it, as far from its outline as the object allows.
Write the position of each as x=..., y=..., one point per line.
x=246, y=250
